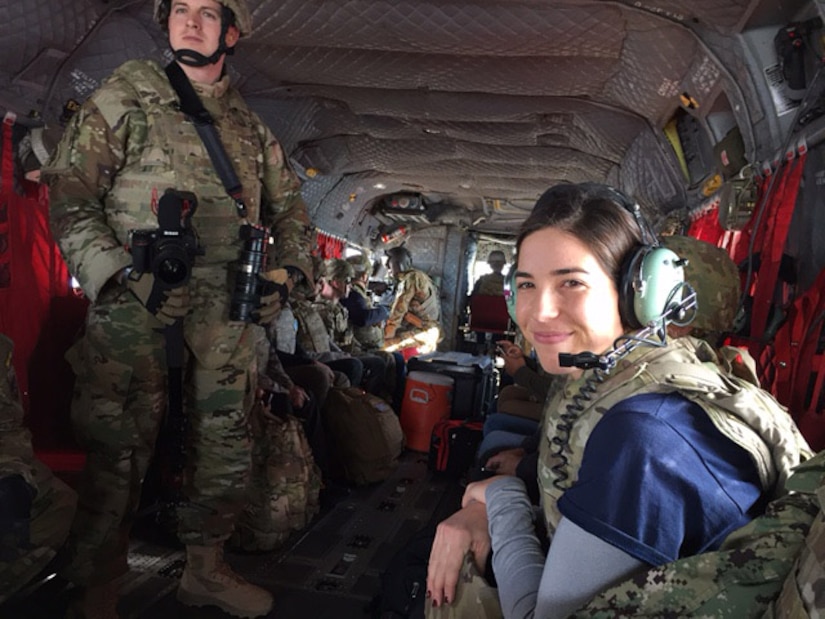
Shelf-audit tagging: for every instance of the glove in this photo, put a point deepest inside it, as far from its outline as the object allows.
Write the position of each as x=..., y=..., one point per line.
x=274, y=286
x=167, y=305
x=270, y=305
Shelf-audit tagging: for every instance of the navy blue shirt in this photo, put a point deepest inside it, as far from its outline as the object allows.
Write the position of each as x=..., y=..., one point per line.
x=659, y=481
x=360, y=313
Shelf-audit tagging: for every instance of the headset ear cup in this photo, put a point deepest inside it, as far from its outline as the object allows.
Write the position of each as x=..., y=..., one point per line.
x=628, y=277
x=650, y=285
x=510, y=294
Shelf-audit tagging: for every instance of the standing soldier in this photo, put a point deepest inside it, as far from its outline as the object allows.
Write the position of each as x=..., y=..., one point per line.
x=128, y=144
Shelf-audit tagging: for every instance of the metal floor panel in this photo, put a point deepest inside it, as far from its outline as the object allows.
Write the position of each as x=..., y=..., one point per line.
x=332, y=569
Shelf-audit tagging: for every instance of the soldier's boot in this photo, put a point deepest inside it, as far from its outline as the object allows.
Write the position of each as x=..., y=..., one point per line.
x=96, y=602
x=208, y=581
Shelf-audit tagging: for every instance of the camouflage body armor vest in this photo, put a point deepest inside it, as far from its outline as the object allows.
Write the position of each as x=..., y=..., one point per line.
x=369, y=337
x=744, y=413
x=313, y=336
x=168, y=152
x=336, y=319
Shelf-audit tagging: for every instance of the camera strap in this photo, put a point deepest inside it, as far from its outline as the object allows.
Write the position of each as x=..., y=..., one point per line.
x=192, y=106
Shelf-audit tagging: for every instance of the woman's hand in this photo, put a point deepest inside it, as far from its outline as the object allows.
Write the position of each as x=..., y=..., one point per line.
x=465, y=531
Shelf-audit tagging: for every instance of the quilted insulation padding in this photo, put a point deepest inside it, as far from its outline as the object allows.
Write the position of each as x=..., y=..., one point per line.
x=466, y=102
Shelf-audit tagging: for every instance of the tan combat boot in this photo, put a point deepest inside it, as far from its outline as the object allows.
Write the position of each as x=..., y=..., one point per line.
x=96, y=602
x=208, y=580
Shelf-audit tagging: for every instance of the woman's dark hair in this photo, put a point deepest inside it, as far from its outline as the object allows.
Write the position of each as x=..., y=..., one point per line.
x=597, y=215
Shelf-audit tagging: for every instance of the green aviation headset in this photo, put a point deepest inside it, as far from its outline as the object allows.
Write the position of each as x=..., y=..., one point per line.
x=652, y=277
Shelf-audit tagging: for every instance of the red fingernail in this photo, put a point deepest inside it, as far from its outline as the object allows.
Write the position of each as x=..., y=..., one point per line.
x=429, y=594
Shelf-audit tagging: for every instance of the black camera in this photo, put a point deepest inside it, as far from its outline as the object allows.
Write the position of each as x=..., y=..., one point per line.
x=249, y=287
x=168, y=252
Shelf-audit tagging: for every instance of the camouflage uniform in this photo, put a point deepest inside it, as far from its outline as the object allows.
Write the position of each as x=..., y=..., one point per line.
x=122, y=150
x=490, y=284
x=24, y=553
x=415, y=294
x=312, y=335
x=335, y=317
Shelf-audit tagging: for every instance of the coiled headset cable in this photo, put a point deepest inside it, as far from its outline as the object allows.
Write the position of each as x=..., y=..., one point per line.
x=654, y=335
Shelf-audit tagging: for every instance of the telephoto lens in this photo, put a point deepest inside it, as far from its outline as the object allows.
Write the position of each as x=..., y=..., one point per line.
x=246, y=294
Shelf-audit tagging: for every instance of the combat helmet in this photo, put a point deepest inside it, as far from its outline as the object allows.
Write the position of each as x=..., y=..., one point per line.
x=241, y=17
x=714, y=276
x=401, y=256
x=360, y=263
x=235, y=13
x=338, y=270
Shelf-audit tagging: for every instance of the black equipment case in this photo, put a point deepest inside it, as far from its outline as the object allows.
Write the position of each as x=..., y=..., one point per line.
x=474, y=376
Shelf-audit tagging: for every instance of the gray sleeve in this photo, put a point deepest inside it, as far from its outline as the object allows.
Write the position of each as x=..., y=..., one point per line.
x=578, y=566
x=518, y=560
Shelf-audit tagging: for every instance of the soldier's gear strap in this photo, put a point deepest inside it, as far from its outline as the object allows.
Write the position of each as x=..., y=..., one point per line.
x=192, y=106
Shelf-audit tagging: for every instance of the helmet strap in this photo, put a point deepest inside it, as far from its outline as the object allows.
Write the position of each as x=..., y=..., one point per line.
x=191, y=58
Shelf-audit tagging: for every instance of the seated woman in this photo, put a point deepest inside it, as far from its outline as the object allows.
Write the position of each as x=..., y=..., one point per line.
x=664, y=457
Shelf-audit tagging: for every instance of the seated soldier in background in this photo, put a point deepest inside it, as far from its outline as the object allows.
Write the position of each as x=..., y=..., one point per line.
x=313, y=340
x=416, y=309
x=367, y=321
x=365, y=317
x=334, y=281
x=36, y=508
x=492, y=283
x=300, y=368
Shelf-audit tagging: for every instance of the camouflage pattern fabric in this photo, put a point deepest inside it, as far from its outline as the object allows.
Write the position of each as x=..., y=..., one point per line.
x=415, y=293
x=54, y=503
x=744, y=577
x=372, y=337
x=714, y=277
x=336, y=319
x=118, y=406
x=313, y=335
x=284, y=486
x=490, y=284
x=475, y=599
x=122, y=150
x=336, y=269
x=741, y=411
x=801, y=594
